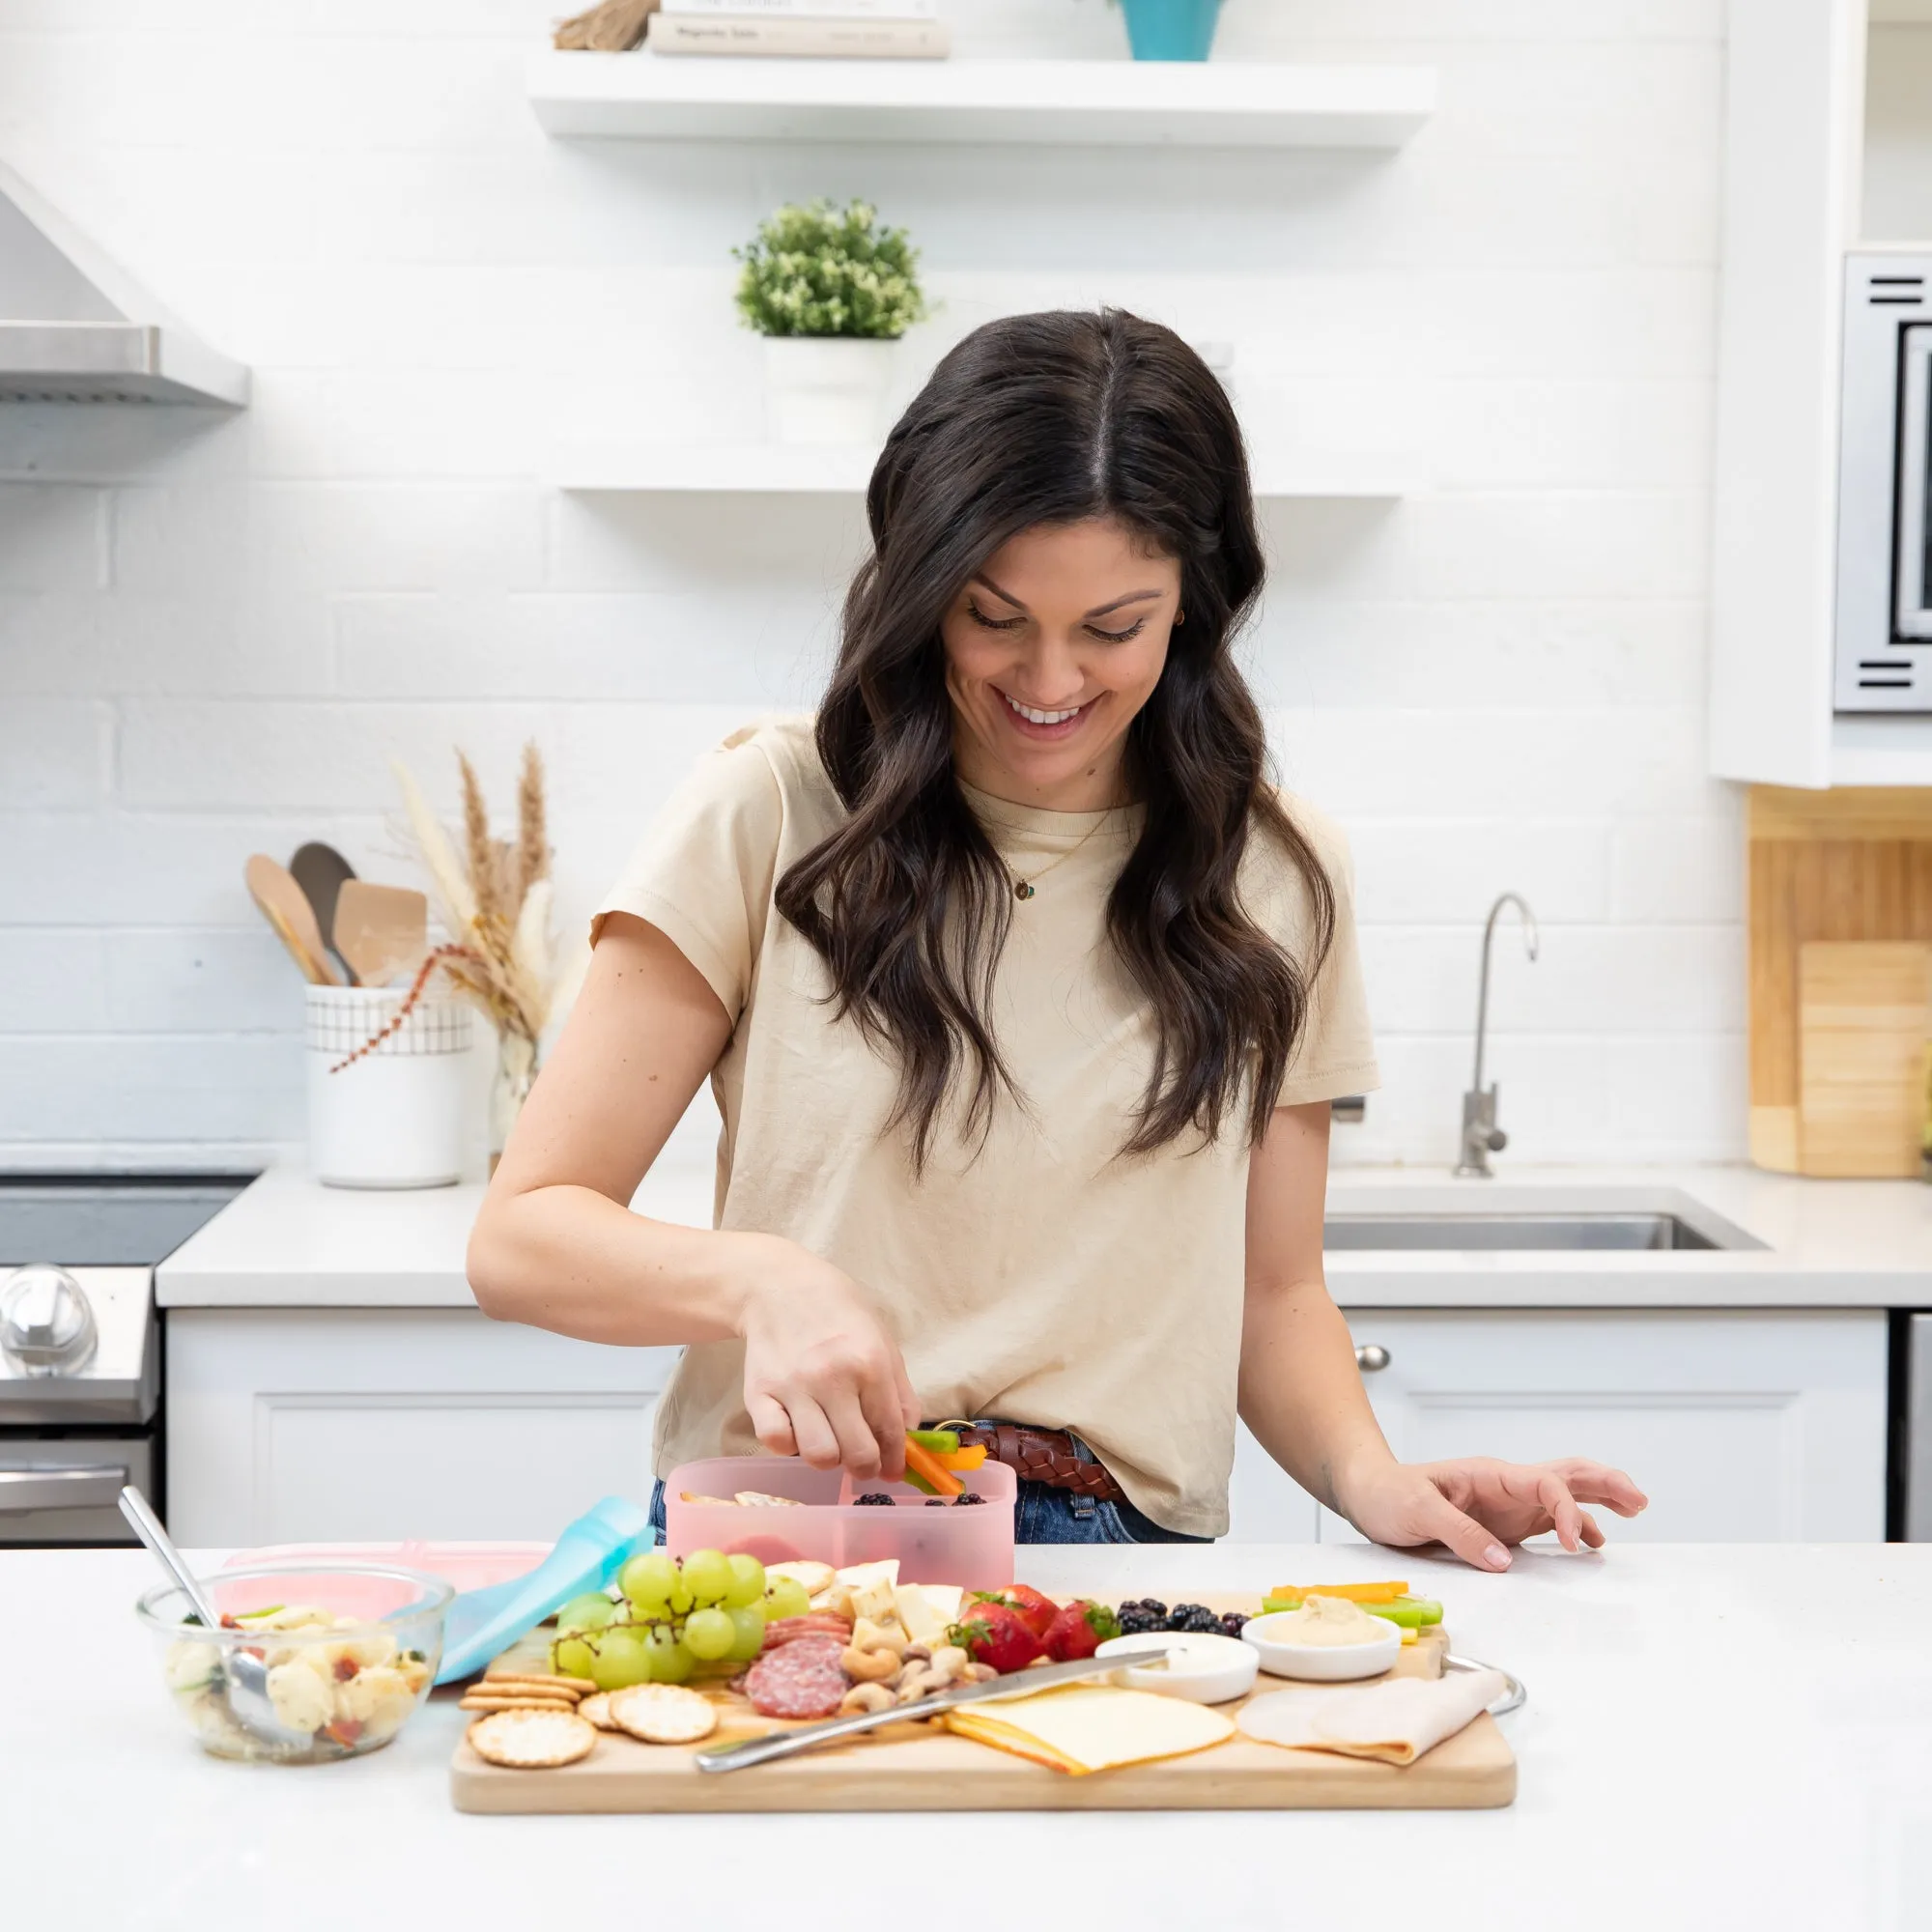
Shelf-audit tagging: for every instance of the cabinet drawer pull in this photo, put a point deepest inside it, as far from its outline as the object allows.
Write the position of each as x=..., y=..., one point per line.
x=1371, y=1357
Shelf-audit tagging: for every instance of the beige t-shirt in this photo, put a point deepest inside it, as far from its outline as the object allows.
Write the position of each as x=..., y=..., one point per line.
x=1043, y=1276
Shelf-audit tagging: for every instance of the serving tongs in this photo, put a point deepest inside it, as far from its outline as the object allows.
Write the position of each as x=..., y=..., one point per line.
x=1018, y=1684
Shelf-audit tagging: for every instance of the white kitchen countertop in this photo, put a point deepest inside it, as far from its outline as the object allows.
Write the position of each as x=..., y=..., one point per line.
x=1690, y=1756
x=290, y=1242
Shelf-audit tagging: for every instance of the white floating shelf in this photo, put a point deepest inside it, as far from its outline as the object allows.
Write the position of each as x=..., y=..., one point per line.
x=1070, y=103
x=782, y=470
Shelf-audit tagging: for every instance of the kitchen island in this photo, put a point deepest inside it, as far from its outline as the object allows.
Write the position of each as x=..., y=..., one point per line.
x=1693, y=1754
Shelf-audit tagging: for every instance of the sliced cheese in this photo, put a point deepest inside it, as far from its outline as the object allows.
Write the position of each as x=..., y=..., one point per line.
x=870, y=1588
x=928, y=1610
x=1092, y=1727
x=810, y=1578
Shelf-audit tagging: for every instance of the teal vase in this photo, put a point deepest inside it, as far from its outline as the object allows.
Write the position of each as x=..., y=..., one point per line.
x=1172, y=30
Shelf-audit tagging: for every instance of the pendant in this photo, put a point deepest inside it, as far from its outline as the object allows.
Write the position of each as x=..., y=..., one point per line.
x=1021, y=890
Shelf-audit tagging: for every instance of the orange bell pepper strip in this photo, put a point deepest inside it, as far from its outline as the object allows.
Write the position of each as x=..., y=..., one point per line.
x=960, y=1461
x=921, y=1461
x=1355, y=1593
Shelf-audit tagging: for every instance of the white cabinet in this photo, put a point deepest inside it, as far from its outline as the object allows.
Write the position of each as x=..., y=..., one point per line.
x=1752, y=1427
x=329, y=1425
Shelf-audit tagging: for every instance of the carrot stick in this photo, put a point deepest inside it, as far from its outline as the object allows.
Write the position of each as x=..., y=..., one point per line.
x=921, y=1461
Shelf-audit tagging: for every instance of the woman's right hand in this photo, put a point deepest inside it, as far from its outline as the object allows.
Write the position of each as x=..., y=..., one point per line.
x=823, y=1380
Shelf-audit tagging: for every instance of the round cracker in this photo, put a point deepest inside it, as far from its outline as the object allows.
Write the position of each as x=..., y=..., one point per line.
x=663, y=1713
x=488, y=1703
x=532, y=1740
x=597, y=1709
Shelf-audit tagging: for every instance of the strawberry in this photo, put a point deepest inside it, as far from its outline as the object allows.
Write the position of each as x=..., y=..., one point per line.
x=1079, y=1631
x=1035, y=1611
x=994, y=1634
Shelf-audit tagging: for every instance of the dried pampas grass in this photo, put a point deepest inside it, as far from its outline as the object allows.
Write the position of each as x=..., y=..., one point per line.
x=495, y=900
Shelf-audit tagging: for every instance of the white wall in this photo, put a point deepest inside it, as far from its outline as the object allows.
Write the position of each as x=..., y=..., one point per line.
x=213, y=633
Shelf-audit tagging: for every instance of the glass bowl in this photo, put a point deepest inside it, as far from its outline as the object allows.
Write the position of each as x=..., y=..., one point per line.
x=350, y=1650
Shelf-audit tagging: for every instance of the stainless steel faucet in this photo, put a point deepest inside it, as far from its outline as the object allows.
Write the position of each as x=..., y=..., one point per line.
x=1481, y=1136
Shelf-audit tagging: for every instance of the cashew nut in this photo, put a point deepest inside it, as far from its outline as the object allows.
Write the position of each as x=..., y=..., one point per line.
x=951, y=1662
x=917, y=1652
x=919, y=1682
x=976, y=1672
x=866, y=1697
x=868, y=1666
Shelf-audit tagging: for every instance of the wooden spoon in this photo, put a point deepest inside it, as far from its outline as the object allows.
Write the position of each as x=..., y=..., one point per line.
x=287, y=909
x=319, y=871
x=382, y=931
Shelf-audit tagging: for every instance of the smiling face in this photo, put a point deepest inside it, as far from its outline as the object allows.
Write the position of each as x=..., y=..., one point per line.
x=1051, y=649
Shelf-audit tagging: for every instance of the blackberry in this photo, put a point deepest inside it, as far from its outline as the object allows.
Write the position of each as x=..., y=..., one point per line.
x=960, y=1502
x=1152, y=1605
x=1195, y=1617
x=1138, y=1621
x=877, y=1496
x=935, y=1502
x=1233, y=1623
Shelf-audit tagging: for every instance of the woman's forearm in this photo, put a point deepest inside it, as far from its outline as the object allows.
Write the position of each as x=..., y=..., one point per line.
x=1301, y=1392
x=574, y=1261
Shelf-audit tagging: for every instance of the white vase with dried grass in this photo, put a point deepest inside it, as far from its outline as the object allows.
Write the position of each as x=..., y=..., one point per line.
x=495, y=903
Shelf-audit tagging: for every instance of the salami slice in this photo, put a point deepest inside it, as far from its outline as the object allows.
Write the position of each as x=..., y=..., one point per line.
x=800, y=1679
x=788, y=1629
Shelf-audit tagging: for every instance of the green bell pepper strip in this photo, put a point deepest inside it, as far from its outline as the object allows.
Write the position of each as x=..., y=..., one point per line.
x=940, y=1442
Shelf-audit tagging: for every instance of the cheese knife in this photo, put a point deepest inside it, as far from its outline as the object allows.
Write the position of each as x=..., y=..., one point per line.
x=1018, y=1684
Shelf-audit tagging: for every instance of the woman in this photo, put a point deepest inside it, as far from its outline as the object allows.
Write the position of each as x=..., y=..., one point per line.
x=1023, y=996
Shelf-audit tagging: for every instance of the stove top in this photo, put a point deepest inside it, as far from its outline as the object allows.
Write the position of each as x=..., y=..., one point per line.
x=98, y=1220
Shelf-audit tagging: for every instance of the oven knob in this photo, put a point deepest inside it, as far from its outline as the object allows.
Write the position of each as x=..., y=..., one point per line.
x=46, y=1327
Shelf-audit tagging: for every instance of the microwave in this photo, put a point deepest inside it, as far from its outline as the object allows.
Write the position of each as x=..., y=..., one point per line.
x=1883, y=655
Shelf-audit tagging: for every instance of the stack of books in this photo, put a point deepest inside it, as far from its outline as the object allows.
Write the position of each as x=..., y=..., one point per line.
x=823, y=29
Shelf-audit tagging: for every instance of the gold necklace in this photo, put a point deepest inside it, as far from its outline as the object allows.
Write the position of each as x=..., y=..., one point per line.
x=1023, y=888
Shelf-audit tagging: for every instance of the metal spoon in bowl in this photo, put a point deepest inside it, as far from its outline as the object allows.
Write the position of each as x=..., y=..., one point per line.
x=246, y=1676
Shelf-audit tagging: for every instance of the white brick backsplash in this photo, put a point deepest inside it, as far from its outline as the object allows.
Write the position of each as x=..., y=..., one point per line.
x=1543, y=655
x=1679, y=868
x=1447, y=871
x=51, y=537
x=216, y=629
x=178, y=1088
x=52, y=753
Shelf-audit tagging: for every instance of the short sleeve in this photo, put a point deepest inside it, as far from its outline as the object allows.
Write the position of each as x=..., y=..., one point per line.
x=702, y=873
x=1336, y=1054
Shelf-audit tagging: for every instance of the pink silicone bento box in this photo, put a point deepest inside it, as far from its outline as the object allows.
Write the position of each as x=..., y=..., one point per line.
x=971, y=1546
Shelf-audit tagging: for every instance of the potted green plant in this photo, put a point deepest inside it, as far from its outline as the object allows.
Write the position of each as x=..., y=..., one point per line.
x=831, y=291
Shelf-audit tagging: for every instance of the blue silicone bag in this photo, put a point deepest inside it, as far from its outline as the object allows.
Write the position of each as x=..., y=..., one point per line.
x=482, y=1624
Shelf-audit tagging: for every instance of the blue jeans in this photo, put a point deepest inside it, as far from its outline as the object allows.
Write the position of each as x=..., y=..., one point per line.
x=1047, y=1515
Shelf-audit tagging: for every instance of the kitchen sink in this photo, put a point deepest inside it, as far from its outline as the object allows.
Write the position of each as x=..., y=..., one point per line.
x=1545, y=1230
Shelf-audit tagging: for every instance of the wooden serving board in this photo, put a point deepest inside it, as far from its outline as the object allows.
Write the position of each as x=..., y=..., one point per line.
x=917, y=1768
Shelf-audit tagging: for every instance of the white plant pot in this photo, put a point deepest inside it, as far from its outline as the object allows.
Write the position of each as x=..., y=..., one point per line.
x=827, y=390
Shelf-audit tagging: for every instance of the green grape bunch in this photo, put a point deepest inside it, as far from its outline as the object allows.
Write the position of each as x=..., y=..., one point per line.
x=816, y=270
x=672, y=1618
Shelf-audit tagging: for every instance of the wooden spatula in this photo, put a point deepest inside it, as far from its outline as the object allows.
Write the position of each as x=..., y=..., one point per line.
x=381, y=931
x=319, y=871
x=286, y=908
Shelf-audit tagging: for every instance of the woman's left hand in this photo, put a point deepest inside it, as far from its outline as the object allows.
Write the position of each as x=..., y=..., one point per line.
x=1481, y=1508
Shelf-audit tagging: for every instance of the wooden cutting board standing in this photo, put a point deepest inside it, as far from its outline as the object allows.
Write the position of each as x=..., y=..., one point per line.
x=1847, y=865
x=910, y=1769
x=1864, y=1009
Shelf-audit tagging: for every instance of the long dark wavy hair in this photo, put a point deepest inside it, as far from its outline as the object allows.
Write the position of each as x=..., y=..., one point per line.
x=1055, y=418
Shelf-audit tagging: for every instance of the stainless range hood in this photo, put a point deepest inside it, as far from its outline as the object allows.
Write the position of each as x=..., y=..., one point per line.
x=74, y=328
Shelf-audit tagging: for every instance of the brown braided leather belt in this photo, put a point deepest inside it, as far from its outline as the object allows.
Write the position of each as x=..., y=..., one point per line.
x=1040, y=1456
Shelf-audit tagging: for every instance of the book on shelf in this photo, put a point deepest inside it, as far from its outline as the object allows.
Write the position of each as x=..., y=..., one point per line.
x=798, y=36
x=816, y=10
